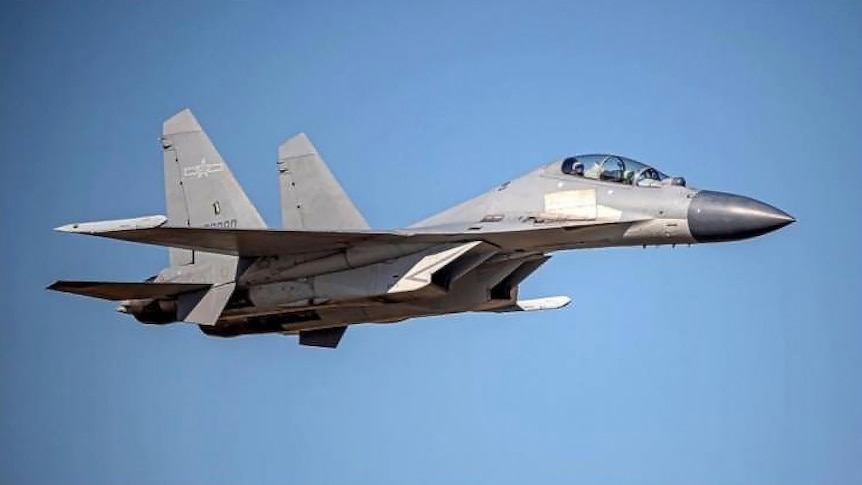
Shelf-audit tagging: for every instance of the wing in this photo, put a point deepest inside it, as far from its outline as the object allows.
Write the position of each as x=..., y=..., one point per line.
x=247, y=242
x=268, y=242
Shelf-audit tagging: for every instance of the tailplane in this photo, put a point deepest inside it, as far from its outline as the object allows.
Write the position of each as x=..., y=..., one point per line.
x=157, y=302
x=121, y=290
x=311, y=197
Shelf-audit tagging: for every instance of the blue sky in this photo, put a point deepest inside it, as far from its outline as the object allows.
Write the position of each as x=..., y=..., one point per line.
x=735, y=363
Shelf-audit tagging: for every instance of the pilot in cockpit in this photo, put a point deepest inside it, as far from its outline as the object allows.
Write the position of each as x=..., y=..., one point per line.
x=573, y=166
x=648, y=177
x=613, y=168
x=578, y=168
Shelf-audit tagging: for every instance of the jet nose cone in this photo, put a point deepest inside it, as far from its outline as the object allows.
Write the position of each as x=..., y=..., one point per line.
x=716, y=216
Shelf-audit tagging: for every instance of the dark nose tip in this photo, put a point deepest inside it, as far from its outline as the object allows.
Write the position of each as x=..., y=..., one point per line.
x=716, y=216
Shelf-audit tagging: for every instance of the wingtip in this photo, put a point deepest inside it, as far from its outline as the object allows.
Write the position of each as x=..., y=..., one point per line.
x=67, y=228
x=96, y=227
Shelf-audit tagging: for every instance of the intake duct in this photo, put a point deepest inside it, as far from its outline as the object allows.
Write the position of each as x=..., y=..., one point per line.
x=506, y=289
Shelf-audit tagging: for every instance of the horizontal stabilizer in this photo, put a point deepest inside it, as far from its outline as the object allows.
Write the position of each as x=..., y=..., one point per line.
x=546, y=303
x=326, y=337
x=117, y=291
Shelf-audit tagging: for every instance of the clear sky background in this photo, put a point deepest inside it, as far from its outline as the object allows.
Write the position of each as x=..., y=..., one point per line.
x=736, y=363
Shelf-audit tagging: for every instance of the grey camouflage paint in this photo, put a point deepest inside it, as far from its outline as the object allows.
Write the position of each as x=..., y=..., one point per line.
x=325, y=269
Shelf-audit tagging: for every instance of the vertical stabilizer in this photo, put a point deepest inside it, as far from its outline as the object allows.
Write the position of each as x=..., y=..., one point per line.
x=200, y=189
x=311, y=197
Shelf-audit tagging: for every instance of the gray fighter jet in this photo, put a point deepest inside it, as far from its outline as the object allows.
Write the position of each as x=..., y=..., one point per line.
x=326, y=269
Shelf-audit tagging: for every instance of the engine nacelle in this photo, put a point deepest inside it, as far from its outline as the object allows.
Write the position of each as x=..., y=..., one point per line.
x=157, y=312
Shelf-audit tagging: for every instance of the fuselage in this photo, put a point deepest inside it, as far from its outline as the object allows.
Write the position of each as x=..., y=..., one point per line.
x=326, y=269
x=544, y=211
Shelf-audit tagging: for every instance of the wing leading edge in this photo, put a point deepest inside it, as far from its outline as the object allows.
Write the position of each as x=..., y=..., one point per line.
x=268, y=242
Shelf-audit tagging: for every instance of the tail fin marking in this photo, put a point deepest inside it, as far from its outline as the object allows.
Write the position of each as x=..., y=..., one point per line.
x=200, y=190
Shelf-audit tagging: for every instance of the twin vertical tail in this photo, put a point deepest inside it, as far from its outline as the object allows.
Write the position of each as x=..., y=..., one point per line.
x=311, y=197
x=200, y=190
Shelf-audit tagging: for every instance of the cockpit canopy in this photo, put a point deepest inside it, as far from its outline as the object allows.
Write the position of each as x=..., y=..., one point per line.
x=614, y=168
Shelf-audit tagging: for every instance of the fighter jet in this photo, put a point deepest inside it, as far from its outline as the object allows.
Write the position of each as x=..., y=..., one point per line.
x=326, y=269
